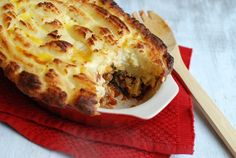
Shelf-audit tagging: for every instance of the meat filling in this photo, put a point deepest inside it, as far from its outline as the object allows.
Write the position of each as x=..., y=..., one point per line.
x=129, y=86
x=121, y=83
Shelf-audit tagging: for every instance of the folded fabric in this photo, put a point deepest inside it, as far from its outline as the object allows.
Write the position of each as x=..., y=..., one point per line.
x=170, y=132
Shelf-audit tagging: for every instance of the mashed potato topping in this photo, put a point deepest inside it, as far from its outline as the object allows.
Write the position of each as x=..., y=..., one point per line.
x=79, y=53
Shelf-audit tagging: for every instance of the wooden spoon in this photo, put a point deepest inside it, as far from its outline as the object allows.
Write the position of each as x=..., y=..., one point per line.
x=208, y=108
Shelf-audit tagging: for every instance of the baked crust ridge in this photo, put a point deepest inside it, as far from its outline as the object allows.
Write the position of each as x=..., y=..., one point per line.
x=146, y=32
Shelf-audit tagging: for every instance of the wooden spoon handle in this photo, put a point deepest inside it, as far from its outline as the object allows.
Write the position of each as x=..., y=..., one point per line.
x=209, y=109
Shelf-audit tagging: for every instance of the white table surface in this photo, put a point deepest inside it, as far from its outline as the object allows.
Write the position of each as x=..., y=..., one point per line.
x=209, y=27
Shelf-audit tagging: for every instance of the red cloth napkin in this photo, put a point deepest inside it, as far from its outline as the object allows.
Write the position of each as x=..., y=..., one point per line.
x=170, y=132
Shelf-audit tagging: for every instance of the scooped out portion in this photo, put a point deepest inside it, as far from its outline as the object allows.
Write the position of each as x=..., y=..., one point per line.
x=122, y=86
x=80, y=54
x=137, y=79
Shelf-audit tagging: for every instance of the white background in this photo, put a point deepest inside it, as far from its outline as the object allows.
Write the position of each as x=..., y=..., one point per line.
x=209, y=27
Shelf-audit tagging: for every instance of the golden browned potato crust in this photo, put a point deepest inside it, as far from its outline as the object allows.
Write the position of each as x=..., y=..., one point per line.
x=69, y=52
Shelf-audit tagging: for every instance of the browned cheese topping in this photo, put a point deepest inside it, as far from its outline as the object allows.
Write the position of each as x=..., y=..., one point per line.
x=79, y=53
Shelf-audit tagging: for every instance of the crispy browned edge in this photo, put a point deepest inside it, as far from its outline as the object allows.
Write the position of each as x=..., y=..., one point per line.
x=156, y=41
x=30, y=84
